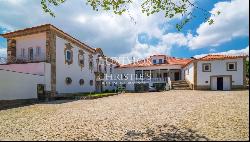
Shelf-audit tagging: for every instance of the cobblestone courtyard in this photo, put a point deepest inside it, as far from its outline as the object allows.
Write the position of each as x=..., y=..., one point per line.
x=172, y=115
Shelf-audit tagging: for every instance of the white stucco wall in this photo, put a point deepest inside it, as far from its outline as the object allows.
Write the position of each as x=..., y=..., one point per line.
x=157, y=59
x=108, y=80
x=33, y=68
x=34, y=40
x=15, y=85
x=73, y=70
x=47, y=76
x=129, y=82
x=129, y=71
x=219, y=67
x=189, y=73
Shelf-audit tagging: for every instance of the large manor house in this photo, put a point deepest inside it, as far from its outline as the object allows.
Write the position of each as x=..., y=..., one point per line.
x=45, y=61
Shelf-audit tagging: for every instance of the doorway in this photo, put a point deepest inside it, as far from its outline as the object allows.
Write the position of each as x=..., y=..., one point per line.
x=99, y=86
x=41, y=92
x=165, y=75
x=219, y=83
x=31, y=54
x=177, y=76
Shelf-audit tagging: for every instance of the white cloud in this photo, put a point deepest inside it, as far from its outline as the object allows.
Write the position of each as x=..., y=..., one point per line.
x=114, y=34
x=3, y=52
x=167, y=41
x=244, y=51
x=232, y=22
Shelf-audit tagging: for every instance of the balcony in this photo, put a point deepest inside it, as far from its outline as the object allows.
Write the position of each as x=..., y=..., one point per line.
x=155, y=80
x=99, y=76
x=23, y=60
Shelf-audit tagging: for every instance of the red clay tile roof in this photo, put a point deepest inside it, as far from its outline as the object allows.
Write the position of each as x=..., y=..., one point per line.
x=211, y=57
x=218, y=57
x=148, y=62
x=45, y=28
x=177, y=61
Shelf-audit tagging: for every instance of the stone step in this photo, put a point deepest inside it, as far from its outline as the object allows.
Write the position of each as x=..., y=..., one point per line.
x=181, y=88
x=180, y=85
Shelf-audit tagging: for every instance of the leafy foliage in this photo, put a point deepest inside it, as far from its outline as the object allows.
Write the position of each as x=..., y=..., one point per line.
x=247, y=68
x=170, y=8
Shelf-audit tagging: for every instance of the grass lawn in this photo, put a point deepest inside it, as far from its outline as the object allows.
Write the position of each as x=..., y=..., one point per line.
x=94, y=94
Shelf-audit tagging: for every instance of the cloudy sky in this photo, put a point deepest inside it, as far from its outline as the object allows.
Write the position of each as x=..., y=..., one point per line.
x=143, y=36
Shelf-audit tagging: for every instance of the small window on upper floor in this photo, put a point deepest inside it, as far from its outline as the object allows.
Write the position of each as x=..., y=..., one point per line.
x=68, y=56
x=160, y=61
x=154, y=61
x=30, y=55
x=68, y=53
x=111, y=68
x=22, y=52
x=232, y=66
x=38, y=51
x=81, y=58
x=206, y=67
x=105, y=68
x=100, y=68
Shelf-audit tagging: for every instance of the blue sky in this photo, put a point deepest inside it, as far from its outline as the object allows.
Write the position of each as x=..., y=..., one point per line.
x=120, y=36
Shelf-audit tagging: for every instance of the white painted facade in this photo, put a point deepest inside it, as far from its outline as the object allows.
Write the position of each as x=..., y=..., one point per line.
x=73, y=70
x=218, y=68
x=36, y=71
x=33, y=41
x=40, y=72
x=189, y=73
x=14, y=85
x=156, y=73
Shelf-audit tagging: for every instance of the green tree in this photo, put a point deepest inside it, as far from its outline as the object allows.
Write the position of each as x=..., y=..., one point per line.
x=247, y=68
x=170, y=8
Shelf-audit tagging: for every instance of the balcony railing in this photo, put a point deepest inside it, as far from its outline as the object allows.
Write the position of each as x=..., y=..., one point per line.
x=14, y=60
x=152, y=79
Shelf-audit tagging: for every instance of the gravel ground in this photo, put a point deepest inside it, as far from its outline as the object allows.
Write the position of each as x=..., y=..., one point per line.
x=173, y=115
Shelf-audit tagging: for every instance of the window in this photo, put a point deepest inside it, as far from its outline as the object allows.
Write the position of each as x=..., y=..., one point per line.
x=81, y=82
x=68, y=55
x=100, y=68
x=110, y=69
x=31, y=54
x=68, y=52
x=206, y=67
x=81, y=59
x=91, y=82
x=160, y=61
x=232, y=66
x=38, y=51
x=91, y=65
x=105, y=67
x=154, y=61
x=68, y=80
x=22, y=52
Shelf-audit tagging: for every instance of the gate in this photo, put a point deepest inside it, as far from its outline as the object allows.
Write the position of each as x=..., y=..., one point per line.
x=41, y=92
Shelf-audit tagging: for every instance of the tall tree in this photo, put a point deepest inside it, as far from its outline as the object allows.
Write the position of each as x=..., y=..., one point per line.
x=170, y=8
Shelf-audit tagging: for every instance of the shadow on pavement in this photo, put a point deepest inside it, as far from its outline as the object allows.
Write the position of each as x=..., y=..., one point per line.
x=165, y=133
